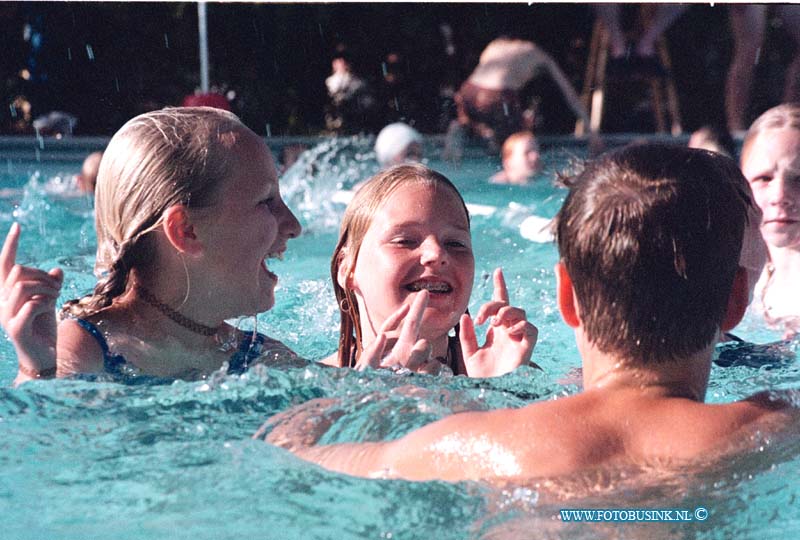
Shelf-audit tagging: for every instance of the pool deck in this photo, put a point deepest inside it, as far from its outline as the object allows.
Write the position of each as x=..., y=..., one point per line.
x=32, y=148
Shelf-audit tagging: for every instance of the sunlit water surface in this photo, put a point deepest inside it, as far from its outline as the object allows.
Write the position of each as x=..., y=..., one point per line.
x=104, y=460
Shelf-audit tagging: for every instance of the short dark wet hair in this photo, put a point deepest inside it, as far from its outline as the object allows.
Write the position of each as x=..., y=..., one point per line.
x=650, y=236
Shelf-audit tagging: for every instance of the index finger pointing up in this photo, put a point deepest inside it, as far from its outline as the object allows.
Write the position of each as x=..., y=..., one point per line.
x=8, y=257
x=409, y=332
x=500, y=293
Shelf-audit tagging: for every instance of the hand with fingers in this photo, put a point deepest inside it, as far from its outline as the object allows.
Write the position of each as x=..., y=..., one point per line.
x=28, y=311
x=408, y=351
x=510, y=338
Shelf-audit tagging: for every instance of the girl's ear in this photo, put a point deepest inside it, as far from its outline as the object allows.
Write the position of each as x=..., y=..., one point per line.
x=343, y=274
x=179, y=230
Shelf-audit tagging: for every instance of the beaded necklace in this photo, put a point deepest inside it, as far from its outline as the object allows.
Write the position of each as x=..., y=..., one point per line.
x=182, y=320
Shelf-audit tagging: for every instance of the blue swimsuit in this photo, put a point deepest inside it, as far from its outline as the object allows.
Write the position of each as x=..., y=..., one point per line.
x=250, y=348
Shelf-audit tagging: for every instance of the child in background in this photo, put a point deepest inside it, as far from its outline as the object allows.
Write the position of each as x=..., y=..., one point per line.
x=771, y=163
x=87, y=178
x=520, y=156
x=398, y=143
x=713, y=138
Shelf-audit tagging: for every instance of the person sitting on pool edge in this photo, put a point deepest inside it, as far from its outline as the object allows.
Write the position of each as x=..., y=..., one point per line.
x=649, y=238
x=489, y=103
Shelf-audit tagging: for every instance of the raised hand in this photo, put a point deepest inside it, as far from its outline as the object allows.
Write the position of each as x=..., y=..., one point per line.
x=510, y=338
x=27, y=310
x=408, y=351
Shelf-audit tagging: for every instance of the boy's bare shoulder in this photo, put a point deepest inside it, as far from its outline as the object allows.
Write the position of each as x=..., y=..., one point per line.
x=542, y=439
x=590, y=429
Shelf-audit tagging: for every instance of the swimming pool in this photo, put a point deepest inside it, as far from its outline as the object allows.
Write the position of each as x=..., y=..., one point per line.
x=103, y=460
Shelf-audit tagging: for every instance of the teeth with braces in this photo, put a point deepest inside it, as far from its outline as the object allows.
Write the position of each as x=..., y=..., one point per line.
x=432, y=287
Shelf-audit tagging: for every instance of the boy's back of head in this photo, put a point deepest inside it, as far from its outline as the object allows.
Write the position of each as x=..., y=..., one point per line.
x=650, y=236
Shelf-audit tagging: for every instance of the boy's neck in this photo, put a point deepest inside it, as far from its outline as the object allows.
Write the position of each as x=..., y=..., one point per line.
x=685, y=377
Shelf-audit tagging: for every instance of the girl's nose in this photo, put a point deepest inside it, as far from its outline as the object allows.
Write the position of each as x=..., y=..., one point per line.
x=783, y=192
x=433, y=252
x=290, y=224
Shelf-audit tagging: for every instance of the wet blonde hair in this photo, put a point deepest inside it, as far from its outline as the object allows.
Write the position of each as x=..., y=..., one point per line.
x=355, y=224
x=156, y=160
x=786, y=115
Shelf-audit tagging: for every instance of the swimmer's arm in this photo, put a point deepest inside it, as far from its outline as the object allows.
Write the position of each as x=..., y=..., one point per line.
x=566, y=88
x=444, y=450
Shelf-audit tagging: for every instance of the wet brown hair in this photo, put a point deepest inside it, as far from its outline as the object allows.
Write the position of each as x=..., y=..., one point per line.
x=650, y=236
x=355, y=224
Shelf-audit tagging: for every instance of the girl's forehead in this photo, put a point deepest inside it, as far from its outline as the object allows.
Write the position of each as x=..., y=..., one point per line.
x=417, y=200
x=787, y=135
x=422, y=192
x=771, y=143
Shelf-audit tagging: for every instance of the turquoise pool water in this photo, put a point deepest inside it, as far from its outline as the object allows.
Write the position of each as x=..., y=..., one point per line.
x=102, y=460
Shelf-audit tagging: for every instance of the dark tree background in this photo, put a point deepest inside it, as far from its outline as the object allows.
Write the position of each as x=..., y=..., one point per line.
x=105, y=62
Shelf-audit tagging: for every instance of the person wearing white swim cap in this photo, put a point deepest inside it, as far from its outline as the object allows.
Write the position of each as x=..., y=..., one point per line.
x=398, y=143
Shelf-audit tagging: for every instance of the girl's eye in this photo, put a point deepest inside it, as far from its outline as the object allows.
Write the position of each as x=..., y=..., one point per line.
x=764, y=178
x=267, y=202
x=402, y=241
x=457, y=243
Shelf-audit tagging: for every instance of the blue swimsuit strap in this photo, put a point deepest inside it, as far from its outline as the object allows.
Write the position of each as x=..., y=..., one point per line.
x=112, y=363
x=250, y=347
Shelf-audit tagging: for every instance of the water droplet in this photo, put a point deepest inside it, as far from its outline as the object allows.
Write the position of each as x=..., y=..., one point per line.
x=89, y=52
x=166, y=41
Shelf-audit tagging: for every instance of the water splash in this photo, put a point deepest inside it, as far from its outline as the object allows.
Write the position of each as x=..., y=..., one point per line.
x=334, y=165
